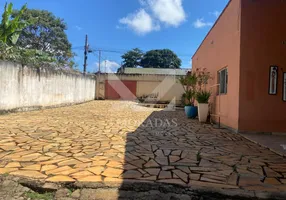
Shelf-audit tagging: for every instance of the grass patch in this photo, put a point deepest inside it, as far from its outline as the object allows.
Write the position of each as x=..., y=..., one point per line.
x=70, y=192
x=37, y=196
x=199, y=157
x=234, y=168
x=6, y=174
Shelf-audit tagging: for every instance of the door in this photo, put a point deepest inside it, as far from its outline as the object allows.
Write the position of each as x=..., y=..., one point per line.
x=123, y=90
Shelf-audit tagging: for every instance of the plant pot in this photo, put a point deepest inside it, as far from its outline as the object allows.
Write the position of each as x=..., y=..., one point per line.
x=203, y=112
x=191, y=111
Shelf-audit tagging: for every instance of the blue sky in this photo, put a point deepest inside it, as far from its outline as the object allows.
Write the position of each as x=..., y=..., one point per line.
x=120, y=25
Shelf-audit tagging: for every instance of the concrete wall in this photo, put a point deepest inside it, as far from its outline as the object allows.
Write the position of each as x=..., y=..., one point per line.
x=27, y=87
x=221, y=49
x=263, y=32
x=167, y=87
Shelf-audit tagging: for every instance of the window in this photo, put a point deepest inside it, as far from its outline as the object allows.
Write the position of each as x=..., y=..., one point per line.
x=222, y=81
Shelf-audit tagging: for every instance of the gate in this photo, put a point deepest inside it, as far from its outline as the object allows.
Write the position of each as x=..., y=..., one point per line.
x=124, y=90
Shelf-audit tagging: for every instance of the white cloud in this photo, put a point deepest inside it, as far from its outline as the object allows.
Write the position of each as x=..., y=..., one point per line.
x=141, y=22
x=215, y=13
x=170, y=12
x=200, y=23
x=109, y=67
x=78, y=28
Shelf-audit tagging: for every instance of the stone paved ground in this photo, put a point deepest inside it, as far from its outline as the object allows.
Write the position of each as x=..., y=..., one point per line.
x=276, y=142
x=104, y=141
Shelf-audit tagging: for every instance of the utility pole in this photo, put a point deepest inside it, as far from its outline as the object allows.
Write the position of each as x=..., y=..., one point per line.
x=99, y=60
x=98, y=82
x=105, y=67
x=85, y=54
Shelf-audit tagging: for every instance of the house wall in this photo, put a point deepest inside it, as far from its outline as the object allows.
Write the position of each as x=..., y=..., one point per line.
x=26, y=88
x=220, y=49
x=263, y=32
x=166, y=87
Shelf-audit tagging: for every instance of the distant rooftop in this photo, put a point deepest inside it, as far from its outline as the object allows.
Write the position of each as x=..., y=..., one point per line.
x=158, y=71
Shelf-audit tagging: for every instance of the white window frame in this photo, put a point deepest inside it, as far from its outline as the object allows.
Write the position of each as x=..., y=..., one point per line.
x=222, y=89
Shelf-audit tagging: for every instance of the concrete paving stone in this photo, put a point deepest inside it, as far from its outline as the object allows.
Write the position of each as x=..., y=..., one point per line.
x=32, y=167
x=91, y=178
x=181, y=175
x=249, y=181
x=96, y=170
x=232, y=179
x=283, y=181
x=152, y=171
x=207, y=179
x=48, y=167
x=162, y=160
x=58, y=170
x=60, y=178
x=30, y=174
x=272, y=181
x=194, y=177
x=132, y=174
x=271, y=173
x=81, y=174
x=112, y=172
x=13, y=165
x=7, y=170
x=151, y=163
x=173, y=159
x=69, y=162
x=165, y=175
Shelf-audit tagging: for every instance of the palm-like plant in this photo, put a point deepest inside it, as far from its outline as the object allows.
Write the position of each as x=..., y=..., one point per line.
x=10, y=29
x=203, y=96
x=189, y=84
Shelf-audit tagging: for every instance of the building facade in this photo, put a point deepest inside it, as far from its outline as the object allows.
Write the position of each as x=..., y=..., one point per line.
x=156, y=85
x=245, y=51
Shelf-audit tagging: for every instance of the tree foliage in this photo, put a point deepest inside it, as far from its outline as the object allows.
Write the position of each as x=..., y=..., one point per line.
x=46, y=34
x=13, y=46
x=132, y=58
x=10, y=29
x=162, y=58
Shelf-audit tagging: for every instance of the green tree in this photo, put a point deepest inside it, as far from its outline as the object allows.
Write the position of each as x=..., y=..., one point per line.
x=46, y=34
x=10, y=29
x=132, y=58
x=162, y=58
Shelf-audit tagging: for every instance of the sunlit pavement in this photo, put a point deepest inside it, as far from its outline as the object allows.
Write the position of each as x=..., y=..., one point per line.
x=105, y=141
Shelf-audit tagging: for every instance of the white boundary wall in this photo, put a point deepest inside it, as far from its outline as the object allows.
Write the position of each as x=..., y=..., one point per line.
x=28, y=87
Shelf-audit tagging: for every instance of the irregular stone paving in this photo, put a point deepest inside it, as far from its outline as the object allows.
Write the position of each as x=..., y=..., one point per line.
x=104, y=141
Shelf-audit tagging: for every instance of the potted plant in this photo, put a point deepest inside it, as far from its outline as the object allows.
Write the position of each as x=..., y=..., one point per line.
x=189, y=84
x=202, y=95
x=202, y=98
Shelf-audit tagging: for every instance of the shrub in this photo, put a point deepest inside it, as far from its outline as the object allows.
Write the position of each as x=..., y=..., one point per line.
x=203, y=96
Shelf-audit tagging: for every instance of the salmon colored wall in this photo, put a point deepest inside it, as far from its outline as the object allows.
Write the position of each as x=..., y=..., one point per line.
x=263, y=30
x=221, y=49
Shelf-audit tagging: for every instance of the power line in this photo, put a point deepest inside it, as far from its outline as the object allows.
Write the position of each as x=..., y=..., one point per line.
x=122, y=51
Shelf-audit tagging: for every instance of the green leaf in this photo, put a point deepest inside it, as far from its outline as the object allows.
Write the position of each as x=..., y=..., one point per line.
x=14, y=38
